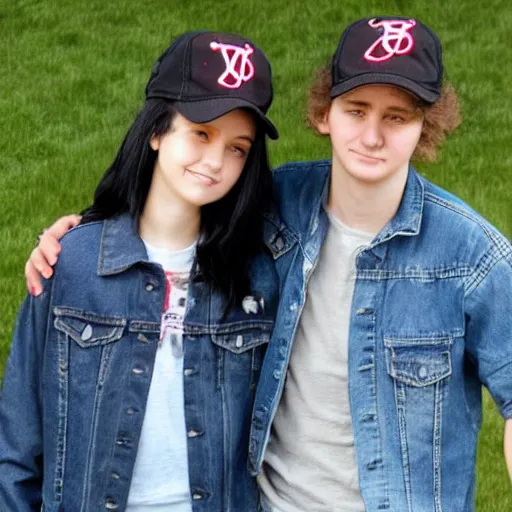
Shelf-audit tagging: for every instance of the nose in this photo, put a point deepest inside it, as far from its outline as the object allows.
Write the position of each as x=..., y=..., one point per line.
x=213, y=157
x=373, y=136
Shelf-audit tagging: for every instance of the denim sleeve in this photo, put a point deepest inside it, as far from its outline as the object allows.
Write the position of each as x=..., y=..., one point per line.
x=489, y=331
x=21, y=443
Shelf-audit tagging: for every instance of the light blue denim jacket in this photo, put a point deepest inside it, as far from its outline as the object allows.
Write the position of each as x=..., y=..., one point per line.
x=77, y=379
x=431, y=321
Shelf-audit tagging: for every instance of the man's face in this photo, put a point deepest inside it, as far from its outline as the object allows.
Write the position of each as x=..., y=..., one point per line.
x=374, y=130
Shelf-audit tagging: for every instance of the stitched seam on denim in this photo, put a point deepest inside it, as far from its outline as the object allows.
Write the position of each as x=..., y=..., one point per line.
x=62, y=404
x=499, y=241
x=99, y=267
x=115, y=334
x=142, y=326
x=427, y=275
x=411, y=379
x=197, y=330
x=484, y=267
x=400, y=401
x=226, y=467
x=373, y=372
x=390, y=341
x=230, y=346
x=82, y=314
x=94, y=428
x=105, y=358
x=242, y=325
x=438, y=419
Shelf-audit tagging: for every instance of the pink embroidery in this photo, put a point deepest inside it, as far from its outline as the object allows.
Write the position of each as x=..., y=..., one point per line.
x=238, y=66
x=395, y=40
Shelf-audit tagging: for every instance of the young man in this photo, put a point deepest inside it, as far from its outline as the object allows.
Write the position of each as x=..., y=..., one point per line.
x=395, y=298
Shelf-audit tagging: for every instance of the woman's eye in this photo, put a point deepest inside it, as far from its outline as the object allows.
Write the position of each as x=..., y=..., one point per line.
x=239, y=151
x=356, y=113
x=202, y=134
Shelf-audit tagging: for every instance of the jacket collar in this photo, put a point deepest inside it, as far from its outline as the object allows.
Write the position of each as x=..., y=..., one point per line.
x=121, y=246
x=407, y=220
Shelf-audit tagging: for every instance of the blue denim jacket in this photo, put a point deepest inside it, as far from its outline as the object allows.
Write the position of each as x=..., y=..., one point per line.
x=77, y=379
x=431, y=321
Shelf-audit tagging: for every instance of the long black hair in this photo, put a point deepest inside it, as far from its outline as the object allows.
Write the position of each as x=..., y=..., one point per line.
x=231, y=228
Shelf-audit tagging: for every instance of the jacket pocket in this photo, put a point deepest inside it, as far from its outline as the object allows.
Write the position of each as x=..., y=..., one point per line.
x=86, y=328
x=418, y=362
x=240, y=337
x=420, y=368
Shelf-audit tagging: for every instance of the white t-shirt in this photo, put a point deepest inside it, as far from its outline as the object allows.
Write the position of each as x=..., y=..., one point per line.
x=310, y=463
x=160, y=481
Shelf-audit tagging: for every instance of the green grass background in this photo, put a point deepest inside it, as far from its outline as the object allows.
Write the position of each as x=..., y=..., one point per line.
x=72, y=76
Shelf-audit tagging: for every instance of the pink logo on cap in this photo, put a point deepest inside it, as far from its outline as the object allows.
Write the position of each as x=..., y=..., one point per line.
x=238, y=66
x=395, y=40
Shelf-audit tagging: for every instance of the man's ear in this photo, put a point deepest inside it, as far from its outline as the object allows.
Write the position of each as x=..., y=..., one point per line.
x=154, y=142
x=322, y=124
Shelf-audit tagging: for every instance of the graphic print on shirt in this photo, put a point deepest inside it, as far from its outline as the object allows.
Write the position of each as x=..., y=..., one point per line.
x=174, y=311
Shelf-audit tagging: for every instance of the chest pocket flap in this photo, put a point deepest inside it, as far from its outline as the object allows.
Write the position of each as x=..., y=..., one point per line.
x=88, y=329
x=239, y=337
x=419, y=362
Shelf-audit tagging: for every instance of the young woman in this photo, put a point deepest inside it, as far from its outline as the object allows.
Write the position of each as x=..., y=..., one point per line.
x=131, y=377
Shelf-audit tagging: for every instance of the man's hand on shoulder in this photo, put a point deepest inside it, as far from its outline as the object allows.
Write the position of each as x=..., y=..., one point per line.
x=45, y=255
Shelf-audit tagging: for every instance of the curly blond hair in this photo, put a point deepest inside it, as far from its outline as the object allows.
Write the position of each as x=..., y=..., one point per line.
x=439, y=119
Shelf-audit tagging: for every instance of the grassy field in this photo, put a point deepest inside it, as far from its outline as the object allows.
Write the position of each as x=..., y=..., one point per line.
x=72, y=76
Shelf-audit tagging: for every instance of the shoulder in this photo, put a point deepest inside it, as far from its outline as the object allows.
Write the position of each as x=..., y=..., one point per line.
x=301, y=172
x=301, y=184
x=80, y=248
x=81, y=238
x=460, y=223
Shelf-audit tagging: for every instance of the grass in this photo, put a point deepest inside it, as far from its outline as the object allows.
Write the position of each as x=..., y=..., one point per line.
x=72, y=76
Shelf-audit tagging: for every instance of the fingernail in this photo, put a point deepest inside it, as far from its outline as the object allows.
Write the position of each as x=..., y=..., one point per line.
x=47, y=273
x=33, y=291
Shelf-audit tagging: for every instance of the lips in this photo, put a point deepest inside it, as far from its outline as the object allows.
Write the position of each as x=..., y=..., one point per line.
x=203, y=178
x=367, y=158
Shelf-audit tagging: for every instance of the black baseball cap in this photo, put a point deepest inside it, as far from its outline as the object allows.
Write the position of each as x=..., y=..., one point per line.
x=389, y=50
x=208, y=74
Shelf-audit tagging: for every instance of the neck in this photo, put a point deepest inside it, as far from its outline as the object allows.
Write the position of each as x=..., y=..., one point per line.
x=366, y=207
x=169, y=224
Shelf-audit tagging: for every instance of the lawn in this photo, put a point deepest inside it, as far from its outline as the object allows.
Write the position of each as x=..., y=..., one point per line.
x=72, y=76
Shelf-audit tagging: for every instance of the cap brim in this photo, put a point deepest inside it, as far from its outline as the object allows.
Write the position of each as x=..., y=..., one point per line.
x=427, y=95
x=204, y=111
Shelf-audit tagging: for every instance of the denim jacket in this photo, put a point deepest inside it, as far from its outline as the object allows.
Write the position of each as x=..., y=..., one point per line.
x=430, y=323
x=77, y=379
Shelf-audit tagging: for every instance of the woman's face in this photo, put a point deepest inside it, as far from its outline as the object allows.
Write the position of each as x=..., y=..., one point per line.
x=198, y=164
